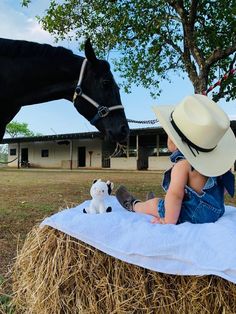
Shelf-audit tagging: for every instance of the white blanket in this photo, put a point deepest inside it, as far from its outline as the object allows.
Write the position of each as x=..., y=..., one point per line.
x=185, y=249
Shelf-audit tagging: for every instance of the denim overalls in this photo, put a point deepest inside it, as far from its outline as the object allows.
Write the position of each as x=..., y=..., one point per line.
x=200, y=208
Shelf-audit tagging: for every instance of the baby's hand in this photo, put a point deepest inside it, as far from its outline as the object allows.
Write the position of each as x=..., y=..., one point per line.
x=156, y=220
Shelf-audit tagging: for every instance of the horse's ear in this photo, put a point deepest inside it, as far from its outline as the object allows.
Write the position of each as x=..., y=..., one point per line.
x=89, y=52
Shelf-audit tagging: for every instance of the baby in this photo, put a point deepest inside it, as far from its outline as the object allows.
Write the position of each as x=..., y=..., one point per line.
x=203, y=148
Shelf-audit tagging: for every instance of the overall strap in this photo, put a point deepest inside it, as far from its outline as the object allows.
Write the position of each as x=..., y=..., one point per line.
x=228, y=181
x=177, y=156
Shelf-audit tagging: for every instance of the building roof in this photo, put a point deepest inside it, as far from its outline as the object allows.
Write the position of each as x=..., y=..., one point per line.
x=87, y=135
x=71, y=136
x=56, y=137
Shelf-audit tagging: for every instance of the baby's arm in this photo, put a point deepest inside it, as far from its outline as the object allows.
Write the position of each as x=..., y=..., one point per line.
x=175, y=193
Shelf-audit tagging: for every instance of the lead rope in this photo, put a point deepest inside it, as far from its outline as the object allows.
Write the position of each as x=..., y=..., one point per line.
x=226, y=75
x=119, y=149
x=143, y=121
x=218, y=83
x=8, y=162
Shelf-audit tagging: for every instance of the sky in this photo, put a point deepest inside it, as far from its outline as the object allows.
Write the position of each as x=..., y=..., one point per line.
x=59, y=117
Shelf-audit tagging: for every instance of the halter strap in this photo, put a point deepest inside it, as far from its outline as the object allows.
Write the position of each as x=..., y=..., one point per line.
x=103, y=111
x=190, y=144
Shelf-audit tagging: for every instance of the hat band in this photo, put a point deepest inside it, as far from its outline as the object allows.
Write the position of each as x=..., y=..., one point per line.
x=190, y=144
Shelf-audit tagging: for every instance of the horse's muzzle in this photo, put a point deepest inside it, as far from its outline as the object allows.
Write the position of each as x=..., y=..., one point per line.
x=119, y=134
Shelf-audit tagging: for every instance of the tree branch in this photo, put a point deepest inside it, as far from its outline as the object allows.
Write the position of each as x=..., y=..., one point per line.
x=220, y=54
x=193, y=13
x=179, y=7
x=188, y=28
x=221, y=92
x=190, y=66
x=232, y=63
x=169, y=40
x=189, y=44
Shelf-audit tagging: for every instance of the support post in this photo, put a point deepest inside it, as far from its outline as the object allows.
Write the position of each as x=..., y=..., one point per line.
x=71, y=154
x=137, y=147
x=18, y=152
x=90, y=158
x=127, y=150
x=158, y=143
x=137, y=151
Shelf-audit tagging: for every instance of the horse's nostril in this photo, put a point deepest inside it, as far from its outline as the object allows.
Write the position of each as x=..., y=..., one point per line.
x=120, y=134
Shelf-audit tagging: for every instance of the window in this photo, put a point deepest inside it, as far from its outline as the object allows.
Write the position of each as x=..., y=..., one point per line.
x=12, y=151
x=44, y=153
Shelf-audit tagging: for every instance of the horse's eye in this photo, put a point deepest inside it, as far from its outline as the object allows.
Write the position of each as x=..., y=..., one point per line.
x=106, y=83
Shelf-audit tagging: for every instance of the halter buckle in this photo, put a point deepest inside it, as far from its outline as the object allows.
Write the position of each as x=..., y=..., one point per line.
x=78, y=90
x=103, y=111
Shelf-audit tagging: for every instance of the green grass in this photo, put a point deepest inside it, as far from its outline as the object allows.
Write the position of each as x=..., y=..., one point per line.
x=5, y=306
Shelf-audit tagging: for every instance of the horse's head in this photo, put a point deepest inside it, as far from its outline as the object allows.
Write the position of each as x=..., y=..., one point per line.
x=97, y=97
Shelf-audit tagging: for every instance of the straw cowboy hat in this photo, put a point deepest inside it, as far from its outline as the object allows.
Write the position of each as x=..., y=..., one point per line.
x=201, y=131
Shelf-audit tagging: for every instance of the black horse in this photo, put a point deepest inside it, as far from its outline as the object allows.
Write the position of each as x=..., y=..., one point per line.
x=33, y=73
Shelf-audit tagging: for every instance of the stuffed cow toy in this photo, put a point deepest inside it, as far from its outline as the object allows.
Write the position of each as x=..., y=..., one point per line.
x=99, y=191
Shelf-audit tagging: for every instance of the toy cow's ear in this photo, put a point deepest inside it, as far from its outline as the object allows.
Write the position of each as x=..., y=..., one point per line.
x=96, y=180
x=110, y=186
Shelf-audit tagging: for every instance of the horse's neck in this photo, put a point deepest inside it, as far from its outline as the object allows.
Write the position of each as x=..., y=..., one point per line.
x=47, y=81
x=62, y=82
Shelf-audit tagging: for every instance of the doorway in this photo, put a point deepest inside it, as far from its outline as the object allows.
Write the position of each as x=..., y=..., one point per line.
x=108, y=149
x=146, y=147
x=24, y=155
x=81, y=156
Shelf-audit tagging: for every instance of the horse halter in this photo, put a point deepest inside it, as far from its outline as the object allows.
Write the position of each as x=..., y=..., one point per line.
x=102, y=111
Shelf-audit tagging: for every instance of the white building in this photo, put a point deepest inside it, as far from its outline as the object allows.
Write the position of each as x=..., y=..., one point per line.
x=146, y=150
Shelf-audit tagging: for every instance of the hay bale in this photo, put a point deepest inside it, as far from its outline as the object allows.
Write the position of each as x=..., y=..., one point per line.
x=54, y=273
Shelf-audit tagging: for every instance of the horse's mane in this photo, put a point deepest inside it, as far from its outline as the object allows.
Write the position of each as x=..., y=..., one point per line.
x=23, y=48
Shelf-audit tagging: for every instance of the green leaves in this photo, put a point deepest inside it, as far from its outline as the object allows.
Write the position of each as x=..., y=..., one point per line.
x=25, y=3
x=15, y=129
x=151, y=39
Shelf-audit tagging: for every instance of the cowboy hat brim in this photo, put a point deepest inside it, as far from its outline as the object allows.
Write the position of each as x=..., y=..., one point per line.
x=210, y=164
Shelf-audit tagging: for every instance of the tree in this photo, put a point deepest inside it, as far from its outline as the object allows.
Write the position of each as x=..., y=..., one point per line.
x=155, y=38
x=15, y=129
x=3, y=153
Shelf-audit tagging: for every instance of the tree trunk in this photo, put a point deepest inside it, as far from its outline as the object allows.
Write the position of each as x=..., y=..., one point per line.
x=200, y=86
